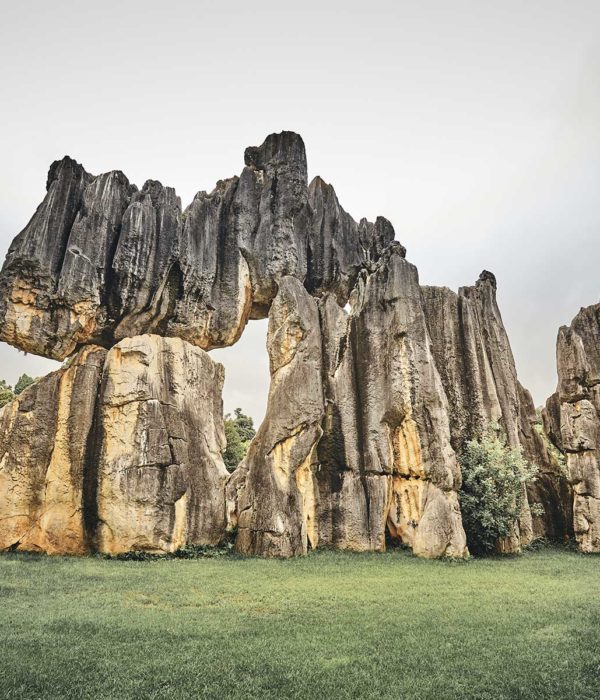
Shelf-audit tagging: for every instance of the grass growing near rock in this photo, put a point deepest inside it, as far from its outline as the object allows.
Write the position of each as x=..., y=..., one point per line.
x=329, y=625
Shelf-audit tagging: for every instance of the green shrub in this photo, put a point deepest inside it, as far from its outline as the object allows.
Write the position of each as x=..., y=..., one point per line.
x=492, y=491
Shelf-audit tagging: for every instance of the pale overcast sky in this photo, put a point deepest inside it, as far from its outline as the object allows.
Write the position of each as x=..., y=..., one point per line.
x=473, y=126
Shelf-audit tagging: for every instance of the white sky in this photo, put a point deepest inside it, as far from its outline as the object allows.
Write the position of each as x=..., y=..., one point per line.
x=473, y=126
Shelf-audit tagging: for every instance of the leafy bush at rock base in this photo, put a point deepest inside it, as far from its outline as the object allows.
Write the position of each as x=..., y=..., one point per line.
x=492, y=493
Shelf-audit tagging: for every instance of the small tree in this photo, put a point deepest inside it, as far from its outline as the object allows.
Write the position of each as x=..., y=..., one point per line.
x=239, y=431
x=244, y=425
x=492, y=491
x=235, y=450
x=23, y=382
x=6, y=393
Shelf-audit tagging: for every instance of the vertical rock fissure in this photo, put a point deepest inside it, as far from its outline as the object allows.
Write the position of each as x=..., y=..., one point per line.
x=90, y=475
x=359, y=409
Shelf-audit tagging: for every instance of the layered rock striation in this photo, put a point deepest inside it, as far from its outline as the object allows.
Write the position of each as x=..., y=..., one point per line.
x=572, y=418
x=477, y=367
x=275, y=487
x=111, y=453
x=385, y=460
x=44, y=438
x=376, y=382
x=101, y=260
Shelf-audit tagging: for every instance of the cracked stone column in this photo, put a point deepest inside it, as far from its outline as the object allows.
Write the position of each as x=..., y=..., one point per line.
x=385, y=457
x=160, y=472
x=573, y=419
x=275, y=486
x=44, y=437
x=475, y=361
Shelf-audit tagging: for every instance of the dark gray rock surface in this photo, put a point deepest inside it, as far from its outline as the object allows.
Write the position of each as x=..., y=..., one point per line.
x=101, y=261
x=385, y=457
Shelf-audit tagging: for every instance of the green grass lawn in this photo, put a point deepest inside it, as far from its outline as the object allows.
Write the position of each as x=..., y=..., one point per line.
x=330, y=625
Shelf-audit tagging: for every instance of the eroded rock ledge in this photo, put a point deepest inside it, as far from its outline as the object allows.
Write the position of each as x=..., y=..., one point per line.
x=369, y=407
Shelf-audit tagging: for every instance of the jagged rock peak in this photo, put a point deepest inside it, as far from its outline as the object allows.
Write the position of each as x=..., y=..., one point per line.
x=285, y=149
x=101, y=260
x=487, y=276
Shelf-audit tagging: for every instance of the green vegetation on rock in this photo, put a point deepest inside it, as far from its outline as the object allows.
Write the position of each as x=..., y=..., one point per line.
x=7, y=393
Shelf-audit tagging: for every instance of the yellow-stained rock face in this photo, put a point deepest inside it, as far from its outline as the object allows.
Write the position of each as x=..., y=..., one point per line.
x=43, y=442
x=161, y=477
x=118, y=451
x=306, y=485
x=272, y=495
x=426, y=518
x=408, y=458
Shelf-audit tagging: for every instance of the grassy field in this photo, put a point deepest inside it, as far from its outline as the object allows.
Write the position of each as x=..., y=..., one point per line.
x=330, y=625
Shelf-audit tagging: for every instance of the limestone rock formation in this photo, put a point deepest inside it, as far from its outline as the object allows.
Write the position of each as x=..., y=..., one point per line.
x=472, y=350
x=476, y=364
x=160, y=472
x=572, y=417
x=101, y=261
x=367, y=409
x=117, y=451
x=44, y=435
x=277, y=496
x=385, y=458
x=551, y=491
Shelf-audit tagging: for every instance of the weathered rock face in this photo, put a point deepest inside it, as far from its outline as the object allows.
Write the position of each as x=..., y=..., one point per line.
x=473, y=353
x=276, y=488
x=338, y=247
x=160, y=472
x=101, y=261
x=572, y=417
x=385, y=458
x=116, y=452
x=44, y=435
x=476, y=364
x=551, y=490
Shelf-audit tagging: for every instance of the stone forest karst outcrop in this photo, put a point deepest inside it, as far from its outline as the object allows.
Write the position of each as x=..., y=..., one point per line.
x=376, y=385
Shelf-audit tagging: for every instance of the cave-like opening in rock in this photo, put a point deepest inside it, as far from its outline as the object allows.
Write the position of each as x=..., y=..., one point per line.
x=246, y=372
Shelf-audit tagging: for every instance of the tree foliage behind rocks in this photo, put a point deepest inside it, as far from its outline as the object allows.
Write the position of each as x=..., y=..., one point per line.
x=239, y=431
x=23, y=382
x=492, y=491
x=6, y=393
